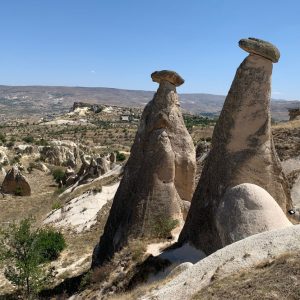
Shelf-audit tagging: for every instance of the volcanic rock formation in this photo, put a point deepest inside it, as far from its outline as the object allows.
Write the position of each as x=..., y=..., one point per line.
x=159, y=175
x=15, y=183
x=242, y=148
x=254, y=210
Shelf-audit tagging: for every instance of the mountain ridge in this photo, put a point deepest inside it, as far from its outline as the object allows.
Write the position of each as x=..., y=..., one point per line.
x=37, y=100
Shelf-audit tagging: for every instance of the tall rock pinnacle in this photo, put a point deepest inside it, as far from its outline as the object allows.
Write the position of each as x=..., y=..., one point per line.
x=159, y=175
x=242, y=147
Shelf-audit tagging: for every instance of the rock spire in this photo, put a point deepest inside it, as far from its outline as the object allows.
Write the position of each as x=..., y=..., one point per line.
x=242, y=148
x=159, y=175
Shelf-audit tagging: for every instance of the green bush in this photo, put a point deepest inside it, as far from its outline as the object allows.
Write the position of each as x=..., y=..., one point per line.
x=2, y=138
x=42, y=142
x=56, y=205
x=23, y=253
x=120, y=156
x=162, y=227
x=28, y=139
x=49, y=244
x=58, y=175
x=18, y=191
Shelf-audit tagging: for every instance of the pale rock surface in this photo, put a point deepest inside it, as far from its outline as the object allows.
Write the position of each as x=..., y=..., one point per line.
x=3, y=157
x=242, y=151
x=80, y=214
x=40, y=166
x=60, y=153
x=14, y=182
x=24, y=149
x=158, y=176
x=236, y=257
x=247, y=209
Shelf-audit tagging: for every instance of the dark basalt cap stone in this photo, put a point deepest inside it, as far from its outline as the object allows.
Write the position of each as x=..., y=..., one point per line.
x=260, y=47
x=167, y=75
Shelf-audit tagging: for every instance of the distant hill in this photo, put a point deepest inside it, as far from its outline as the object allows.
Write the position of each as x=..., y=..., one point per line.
x=17, y=101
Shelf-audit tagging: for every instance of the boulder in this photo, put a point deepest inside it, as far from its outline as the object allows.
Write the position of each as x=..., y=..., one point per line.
x=158, y=176
x=247, y=209
x=15, y=183
x=242, y=151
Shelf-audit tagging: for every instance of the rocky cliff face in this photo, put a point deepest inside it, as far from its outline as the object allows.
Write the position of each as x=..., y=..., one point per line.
x=242, y=148
x=159, y=175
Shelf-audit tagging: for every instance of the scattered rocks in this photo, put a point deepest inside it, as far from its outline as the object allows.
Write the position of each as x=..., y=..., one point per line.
x=15, y=183
x=159, y=174
x=242, y=152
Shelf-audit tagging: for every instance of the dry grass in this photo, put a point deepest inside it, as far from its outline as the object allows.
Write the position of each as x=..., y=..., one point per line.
x=287, y=125
x=272, y=279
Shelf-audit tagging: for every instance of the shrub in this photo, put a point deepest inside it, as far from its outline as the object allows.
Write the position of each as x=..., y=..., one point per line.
x=2, y=138
x=42, y=142
x=120, y=156
x=28, y=139
x=137, y=249
x=49, y=244
x=58, y=175
x=56, y=205
x=10, y=144
x=23, y=252
x=18, y=191
x=162, y=227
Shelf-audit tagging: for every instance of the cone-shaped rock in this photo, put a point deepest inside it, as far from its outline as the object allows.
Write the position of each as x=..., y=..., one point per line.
x=15, y=183
x=159, y=175
x=242, y=149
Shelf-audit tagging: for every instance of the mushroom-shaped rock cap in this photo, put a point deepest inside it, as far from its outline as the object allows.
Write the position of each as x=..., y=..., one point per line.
x=260, y=47
x=167, y=75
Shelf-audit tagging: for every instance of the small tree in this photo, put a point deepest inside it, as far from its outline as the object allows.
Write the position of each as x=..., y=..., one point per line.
x=120, y=156
x=23, y=251
x=58, y=175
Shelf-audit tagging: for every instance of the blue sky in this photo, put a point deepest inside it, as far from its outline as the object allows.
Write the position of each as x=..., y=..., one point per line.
x=118, y=43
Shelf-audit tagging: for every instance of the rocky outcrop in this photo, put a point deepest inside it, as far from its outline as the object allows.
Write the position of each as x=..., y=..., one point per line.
x=159, y=174
x=24, y=149
x=3, y=157
x=247, y=209
x=242, y=149
x=15, y=183
x=89, y=170
x=294, y=114
x=60, y=153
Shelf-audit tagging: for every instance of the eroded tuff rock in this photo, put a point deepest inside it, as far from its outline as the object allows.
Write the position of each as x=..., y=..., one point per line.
x=247, y=209
x=242, y=152
x=15, y=183
x=159, y=175
x=60, y=153
x=260, y=47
